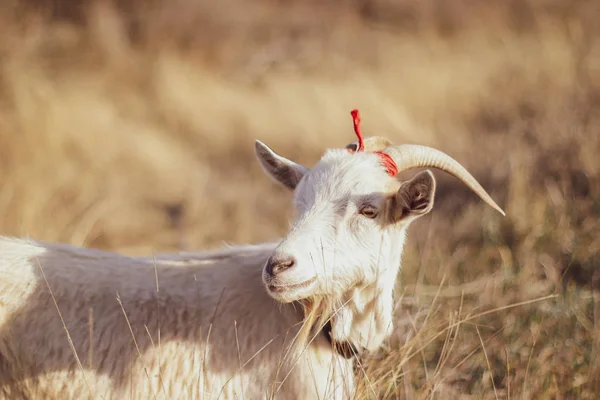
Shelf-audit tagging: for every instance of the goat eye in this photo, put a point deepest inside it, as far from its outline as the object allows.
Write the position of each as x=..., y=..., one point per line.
x=369, y=212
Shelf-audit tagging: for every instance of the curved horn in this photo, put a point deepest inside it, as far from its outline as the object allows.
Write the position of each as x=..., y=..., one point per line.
x=409, y=156
x=372, y=143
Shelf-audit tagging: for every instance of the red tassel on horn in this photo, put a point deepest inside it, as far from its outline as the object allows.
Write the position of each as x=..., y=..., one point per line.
x=356, y=122
x=386, y=160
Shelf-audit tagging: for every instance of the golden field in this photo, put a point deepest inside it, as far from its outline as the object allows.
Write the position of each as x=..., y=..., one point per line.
x=131, y=127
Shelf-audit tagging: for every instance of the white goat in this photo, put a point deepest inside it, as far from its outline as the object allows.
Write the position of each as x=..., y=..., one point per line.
x=79, y=323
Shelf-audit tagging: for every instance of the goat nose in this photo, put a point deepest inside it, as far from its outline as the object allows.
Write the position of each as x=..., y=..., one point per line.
x=278, y=264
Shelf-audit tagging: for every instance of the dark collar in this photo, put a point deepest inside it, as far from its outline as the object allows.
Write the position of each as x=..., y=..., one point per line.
x=346, y=349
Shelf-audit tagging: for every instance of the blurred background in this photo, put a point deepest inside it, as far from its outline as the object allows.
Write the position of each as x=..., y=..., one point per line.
x=130, y=126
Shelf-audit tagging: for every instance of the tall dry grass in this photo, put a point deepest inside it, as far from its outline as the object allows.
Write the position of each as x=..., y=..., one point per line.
x=130, y=127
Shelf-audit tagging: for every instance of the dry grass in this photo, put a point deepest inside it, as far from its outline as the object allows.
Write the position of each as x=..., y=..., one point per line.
x=132, y=129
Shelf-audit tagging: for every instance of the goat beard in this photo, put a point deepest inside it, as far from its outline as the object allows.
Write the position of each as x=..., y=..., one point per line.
x=317, y=311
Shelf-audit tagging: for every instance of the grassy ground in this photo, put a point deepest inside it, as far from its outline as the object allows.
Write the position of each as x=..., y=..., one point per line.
x=131, y=128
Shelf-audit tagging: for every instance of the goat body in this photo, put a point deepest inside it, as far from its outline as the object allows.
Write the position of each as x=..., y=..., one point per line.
x=178, y=326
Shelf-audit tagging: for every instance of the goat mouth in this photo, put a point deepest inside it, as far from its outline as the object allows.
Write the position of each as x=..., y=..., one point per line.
x=283, y=288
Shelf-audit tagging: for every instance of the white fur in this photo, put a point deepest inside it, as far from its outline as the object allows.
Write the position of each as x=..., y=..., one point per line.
x=169, y=345
x=36, y=360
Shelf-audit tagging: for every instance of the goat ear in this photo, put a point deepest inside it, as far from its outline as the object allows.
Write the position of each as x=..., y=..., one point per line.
x=414, y=198
x=279, y=168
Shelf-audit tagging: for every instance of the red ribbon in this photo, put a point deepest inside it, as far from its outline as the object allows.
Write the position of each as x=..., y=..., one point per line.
x=386, y=160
